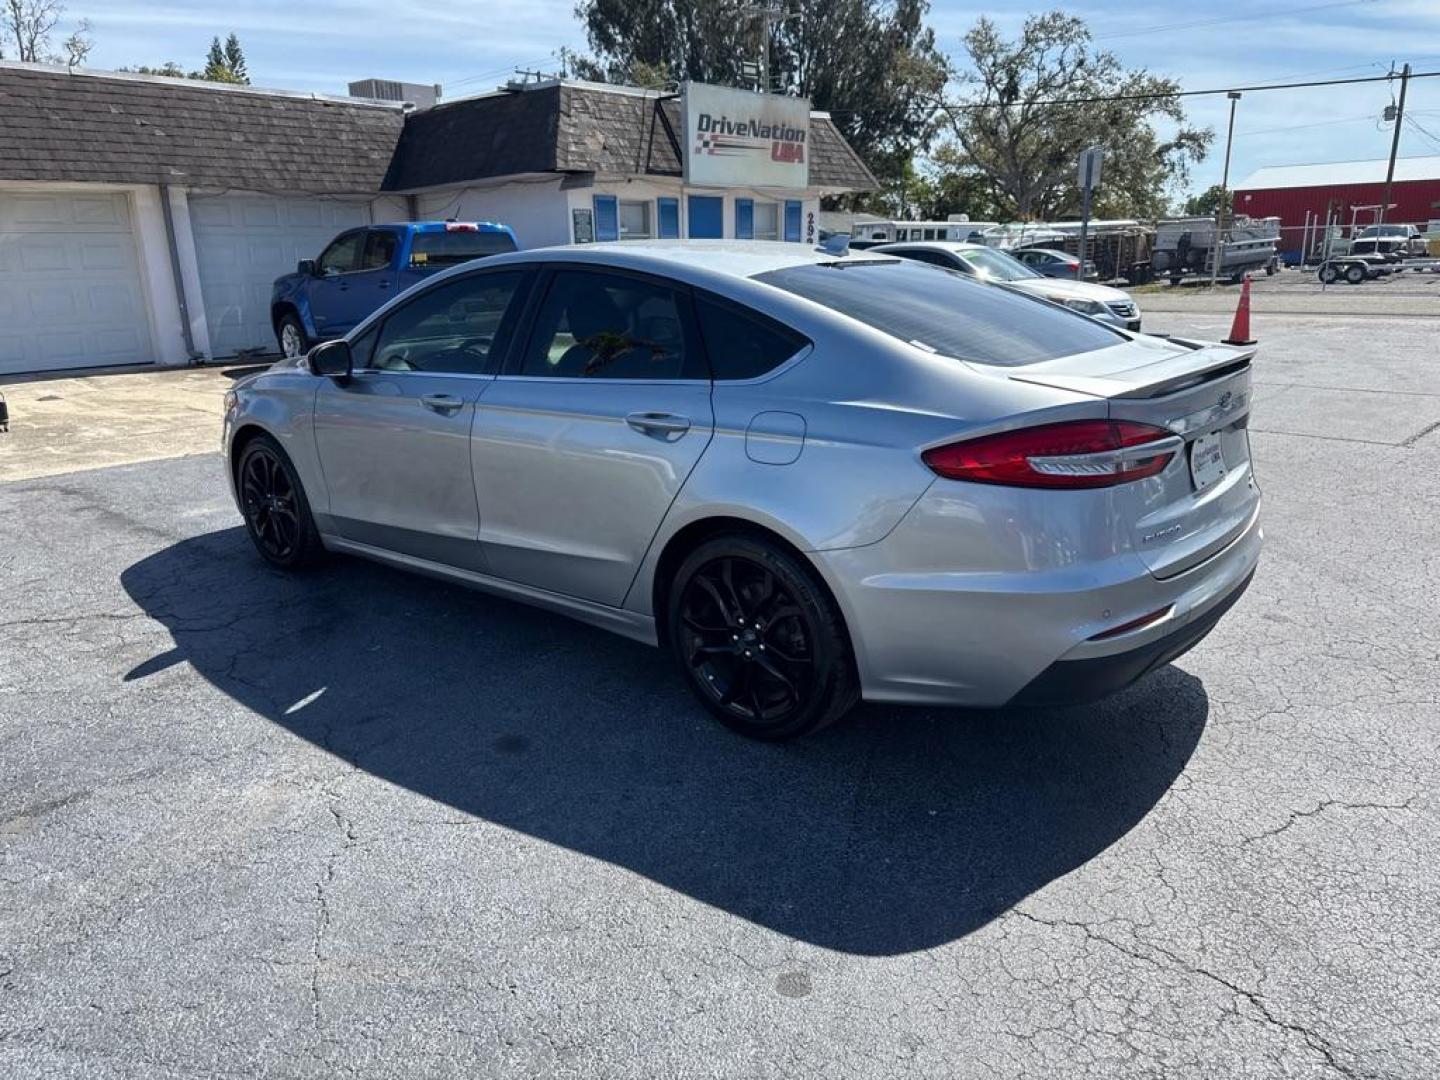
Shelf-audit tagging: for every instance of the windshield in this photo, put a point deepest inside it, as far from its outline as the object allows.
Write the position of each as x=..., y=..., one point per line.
x=996, y=265
x=946, y=312
x=452, y=248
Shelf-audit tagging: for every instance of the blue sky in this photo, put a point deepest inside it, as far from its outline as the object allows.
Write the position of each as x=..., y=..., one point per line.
x=471, y=46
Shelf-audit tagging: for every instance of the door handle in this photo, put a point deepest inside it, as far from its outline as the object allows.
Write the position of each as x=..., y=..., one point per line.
x=658, y=423
x=441, y=403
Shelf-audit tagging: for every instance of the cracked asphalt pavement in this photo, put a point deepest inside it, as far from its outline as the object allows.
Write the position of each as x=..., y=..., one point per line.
x=358, y=823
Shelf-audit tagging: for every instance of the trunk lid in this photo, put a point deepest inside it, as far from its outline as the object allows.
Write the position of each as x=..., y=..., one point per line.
x=1207, y=496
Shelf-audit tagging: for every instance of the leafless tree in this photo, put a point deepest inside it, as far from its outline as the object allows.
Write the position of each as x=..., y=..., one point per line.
x=28, y=24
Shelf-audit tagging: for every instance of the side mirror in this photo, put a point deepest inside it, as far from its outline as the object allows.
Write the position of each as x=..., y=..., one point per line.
x=331, y=359
x=305, y=266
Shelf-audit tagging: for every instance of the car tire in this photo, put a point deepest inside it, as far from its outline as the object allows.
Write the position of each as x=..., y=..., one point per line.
x=759, y=639
x=273, y=504
x=1329, y=274
x=291, y=337
x=1355, y=274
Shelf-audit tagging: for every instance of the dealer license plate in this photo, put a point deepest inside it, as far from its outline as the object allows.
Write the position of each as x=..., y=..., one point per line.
x=1207, y=461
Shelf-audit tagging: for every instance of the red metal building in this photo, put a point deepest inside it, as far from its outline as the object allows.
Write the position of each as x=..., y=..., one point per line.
x=1288, y=191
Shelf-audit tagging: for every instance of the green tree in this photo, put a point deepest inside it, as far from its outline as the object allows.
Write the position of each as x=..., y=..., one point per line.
x=235, y=59
x=1034, y=103
x=872, y=63
x=170, y=69
x=225, y=63
x=1206, y=203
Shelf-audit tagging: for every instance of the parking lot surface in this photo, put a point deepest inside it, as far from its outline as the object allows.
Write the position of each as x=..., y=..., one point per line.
x=359, y=823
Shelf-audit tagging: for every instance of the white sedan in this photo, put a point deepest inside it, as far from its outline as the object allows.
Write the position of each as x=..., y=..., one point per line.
x=1113, y=306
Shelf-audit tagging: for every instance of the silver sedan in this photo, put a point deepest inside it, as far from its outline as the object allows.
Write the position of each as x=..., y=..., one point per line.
x=811, y=478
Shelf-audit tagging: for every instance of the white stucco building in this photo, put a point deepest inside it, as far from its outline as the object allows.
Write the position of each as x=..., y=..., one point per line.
x=143, y=219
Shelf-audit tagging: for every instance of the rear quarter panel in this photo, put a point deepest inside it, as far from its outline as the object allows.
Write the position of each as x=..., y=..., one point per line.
x=869, y=406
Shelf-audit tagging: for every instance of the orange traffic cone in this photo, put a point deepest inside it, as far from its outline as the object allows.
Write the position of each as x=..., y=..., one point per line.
x=1240, y=328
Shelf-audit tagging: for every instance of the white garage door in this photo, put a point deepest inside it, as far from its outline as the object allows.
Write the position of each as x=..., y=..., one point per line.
x=70, y=287
x=243, y=243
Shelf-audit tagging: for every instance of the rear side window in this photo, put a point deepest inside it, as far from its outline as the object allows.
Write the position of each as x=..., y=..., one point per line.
x=741, y=345
x=596, y=325
x=946, y=312
x=430, y=249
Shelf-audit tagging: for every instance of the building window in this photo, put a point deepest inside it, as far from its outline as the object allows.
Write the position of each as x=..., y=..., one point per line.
x=635, y=221
x=767, y=221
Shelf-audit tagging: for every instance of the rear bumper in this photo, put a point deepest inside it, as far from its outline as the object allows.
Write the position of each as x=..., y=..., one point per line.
x=1073, y=682
x=924, y=633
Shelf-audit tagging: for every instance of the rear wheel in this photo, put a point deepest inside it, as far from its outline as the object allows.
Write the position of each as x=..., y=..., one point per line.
x=759, y=640
x=277, y=514
x=1355, y=274
x=1329, y=274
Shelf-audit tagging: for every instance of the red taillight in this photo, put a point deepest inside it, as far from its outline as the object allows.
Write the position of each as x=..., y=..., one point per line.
x=1073, y=454
x=461, y=226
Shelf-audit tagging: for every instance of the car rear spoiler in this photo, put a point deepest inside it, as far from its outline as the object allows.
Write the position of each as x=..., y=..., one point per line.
x=1168, y=375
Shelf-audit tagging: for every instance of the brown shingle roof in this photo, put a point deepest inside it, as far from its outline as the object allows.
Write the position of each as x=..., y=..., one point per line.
x=582, y=129
x=58, y=126
x=119, y=129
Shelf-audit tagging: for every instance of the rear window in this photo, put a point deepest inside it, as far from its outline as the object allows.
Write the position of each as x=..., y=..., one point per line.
x=451, y=248
x=946, y=312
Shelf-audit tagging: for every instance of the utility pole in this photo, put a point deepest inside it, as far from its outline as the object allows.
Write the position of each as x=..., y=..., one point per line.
x=768, y=16
x=1394, y=145
x=1217, y=247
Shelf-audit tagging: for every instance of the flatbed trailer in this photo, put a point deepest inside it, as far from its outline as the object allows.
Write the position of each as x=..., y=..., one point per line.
x=1360, y=268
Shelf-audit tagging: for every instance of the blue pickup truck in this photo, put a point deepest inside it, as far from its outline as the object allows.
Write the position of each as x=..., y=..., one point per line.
x=363, y=268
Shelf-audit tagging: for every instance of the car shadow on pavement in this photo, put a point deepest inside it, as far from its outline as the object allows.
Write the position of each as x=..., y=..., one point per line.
x=897, y=830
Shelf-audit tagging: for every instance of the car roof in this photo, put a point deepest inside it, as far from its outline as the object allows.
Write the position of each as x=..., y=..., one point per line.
x=1049, y=251
x=686, y=259
x=934, y=245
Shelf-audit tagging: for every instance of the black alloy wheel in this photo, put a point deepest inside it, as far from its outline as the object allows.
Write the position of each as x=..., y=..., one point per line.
x=277, y=515
x=759, y=641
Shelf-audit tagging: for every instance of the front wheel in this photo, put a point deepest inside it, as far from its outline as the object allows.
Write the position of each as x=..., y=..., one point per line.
x=1355, y=274
x=1329, y=274
x=277, y=514
x=290, y=334
x=759, y=639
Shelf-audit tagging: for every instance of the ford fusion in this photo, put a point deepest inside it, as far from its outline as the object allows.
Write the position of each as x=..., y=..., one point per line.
x=812, y=479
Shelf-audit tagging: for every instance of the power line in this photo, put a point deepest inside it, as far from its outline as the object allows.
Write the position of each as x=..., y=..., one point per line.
x=1422, y=130
x=1301, y=127
x=1247, y=17
x=497, y=72
x=970, y=106
x=1103, y=99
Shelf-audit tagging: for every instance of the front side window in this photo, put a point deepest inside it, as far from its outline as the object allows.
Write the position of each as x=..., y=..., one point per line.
x=379, y=250
x=635, y=221
x=946, y=312
x=767, y=221
x=454, y=328
x=343, y=255
x=610, y=326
